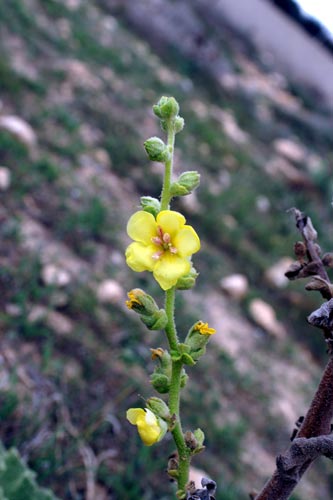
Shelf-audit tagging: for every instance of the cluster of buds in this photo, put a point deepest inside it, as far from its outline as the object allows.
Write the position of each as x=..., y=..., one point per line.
x=161, y=376
x=195, y=344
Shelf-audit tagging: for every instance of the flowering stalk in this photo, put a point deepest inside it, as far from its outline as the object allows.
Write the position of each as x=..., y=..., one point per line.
x=163, y=244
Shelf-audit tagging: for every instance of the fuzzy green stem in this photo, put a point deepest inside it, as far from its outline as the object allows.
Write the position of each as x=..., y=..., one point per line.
x=174, y=401
x=165, y=197
x=170, y=312
x=174, y=394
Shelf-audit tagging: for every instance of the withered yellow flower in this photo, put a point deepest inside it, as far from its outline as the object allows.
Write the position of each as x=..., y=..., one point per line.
x=150, y=428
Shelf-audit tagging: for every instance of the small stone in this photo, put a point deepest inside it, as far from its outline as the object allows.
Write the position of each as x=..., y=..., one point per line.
x=20, y=129
x=54, y=320
x=55, y=275
x=235, y=285
x=264, y=315
x=275, y=275
x=5, y=178
x=263, y=204
x=290, y=150
x=279, y=167
x=110, y=291
x=59, y=323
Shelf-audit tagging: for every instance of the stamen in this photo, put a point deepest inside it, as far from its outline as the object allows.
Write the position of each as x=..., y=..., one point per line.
x=157, y=240
x=173, y=250
x=166, y=238
x=157, y=255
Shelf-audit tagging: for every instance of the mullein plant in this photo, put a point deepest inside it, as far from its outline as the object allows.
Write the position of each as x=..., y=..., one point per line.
x=163, y=244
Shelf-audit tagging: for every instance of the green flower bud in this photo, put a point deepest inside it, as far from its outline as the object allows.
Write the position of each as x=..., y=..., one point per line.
x=199, y=436
x=156, y=149
x=183, y=378
x=197, y=338
x=179, y=124
x=190, y=180
x=151, y=205
x=160, y=382
x=182, y=354
x=166, y=108
x=156, y=321
x=161, y=376
x=185, y=184
x=188, y=281
x=159, y=407
x=176, y=189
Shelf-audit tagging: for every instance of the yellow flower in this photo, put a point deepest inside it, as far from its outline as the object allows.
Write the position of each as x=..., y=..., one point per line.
x=150, y=429
x=163, y=246
x=204, y=329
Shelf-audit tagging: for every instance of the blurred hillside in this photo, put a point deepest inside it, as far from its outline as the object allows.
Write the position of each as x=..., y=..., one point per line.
x=77, y=82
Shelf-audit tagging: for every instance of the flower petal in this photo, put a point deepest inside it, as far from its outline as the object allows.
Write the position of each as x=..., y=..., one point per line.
x=148, y=433
x=170, y=221
x=169, y=269
x=142, y=227
x=150, y=417
x=133, y=414
x=186, y=241
x=139, y=257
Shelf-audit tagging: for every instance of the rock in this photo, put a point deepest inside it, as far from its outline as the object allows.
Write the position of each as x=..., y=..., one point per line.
x=20, y=129
x=235, y=285
x=5, y=178
x=262, y=204
x=280, y=168
x=55, y=320
x=196, y=475
x=55, y=275
x=110, y=291
x=59, y=323
x=264, y=315
x=290, y=150
x=275, y=274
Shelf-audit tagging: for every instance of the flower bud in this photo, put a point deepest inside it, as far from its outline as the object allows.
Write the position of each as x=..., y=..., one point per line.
x=185, y=184
x=197, y=339
x=183, y=378
x=151, y=205
x=156, y=321
x=188, y=281
x=160, y=382
x=160, y=378
x=141, y=302
x=199, y=436
x=166, y=108
x=156, y=149
x=179, y=124
x=159, y=408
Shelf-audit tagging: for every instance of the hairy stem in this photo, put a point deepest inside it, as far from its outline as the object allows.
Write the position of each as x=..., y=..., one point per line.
x=174, y=393
x=165, y=197
x=170, y=312
x=174, y=400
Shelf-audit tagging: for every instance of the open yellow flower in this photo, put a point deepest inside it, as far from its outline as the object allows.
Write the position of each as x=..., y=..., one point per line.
x=163, y=245
x=150, y=428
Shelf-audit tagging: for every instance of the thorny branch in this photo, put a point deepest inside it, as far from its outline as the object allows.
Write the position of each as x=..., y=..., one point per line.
x=313, y=438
